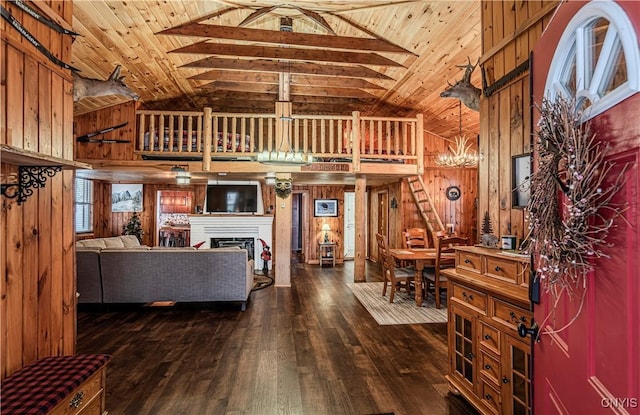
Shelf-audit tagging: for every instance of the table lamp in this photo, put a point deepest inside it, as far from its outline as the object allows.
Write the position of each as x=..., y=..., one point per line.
x=326, y=228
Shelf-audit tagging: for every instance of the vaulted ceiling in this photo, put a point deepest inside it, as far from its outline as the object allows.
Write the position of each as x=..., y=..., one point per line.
x=389, y=58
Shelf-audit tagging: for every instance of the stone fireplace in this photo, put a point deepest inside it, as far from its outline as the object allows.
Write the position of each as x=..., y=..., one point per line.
x=233, y=229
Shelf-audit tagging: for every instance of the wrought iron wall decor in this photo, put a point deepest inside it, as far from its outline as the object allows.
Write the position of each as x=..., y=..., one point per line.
x=29, y=178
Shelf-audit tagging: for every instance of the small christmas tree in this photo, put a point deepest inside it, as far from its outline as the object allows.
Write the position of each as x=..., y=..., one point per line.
x=133, y=227
x=488, y=239
x=486, y=224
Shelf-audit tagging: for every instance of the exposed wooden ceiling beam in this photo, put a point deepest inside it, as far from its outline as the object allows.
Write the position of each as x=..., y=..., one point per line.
x=333, y=81
x=272, y=78
x=248, y=96
x=292, y=54
x=256, y=15
x=283, y=38
x=235, y=76
x=331, y=92
x=261, y=65
x=295, y=90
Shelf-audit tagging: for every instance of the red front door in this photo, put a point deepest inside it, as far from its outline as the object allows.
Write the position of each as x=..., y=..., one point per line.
x=592, y=365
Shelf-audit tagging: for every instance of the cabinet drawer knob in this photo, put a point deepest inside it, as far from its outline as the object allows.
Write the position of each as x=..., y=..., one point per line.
x=467, y=261
x=487, y=397
x=487, y=366
x=487, y=337
x=498, y=269
x=505, y=380
x=470, y=355
x=471, y=297
x=76, y=401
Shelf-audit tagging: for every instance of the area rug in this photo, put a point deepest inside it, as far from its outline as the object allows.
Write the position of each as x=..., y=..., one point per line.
x=261, y=281
x=403, y=310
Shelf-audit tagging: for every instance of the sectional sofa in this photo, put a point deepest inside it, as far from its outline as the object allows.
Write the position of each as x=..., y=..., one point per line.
x=120, y=270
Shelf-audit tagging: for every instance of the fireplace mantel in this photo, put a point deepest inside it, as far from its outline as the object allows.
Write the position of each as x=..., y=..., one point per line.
x=205, y=227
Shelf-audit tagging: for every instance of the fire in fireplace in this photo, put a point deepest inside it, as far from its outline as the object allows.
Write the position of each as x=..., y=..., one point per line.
x=246, y=243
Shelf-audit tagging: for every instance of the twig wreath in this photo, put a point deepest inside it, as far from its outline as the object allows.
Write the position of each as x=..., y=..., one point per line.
x=568, y=239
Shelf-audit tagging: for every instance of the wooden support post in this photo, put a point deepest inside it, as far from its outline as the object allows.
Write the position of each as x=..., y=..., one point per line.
x=419, y=136
x=282, y=233
x=361, y=226
x=355, y=141
x=208, y=138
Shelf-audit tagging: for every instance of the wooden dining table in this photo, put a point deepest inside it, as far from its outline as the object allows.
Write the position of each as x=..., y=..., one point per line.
x=421, y=257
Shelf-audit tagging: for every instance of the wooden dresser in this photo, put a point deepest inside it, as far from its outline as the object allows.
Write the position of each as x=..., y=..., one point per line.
x=489, y=363
x=57, y=385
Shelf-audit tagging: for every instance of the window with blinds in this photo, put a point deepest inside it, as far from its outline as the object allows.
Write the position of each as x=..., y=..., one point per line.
x=84, y=205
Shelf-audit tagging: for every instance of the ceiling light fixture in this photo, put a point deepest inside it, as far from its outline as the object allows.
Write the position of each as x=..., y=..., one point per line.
x=462, y=155
x=285, y=153
x=182, y=176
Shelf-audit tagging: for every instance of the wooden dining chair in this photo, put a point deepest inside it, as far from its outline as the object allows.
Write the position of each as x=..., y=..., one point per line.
x=415, y=238
x=444, y=245
x=390, y=273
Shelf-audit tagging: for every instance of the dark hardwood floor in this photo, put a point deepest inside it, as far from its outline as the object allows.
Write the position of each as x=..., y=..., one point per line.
x=310, y=349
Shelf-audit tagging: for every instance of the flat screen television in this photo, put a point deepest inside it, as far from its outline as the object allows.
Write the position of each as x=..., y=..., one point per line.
x=232, y=198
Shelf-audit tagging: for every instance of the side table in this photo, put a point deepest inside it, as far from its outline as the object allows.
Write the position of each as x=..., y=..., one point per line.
x=327, y=253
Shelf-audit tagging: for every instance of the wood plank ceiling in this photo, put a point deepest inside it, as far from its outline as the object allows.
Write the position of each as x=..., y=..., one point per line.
x=381, y=58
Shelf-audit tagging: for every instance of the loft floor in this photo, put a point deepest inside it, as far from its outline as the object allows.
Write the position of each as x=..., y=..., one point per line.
x=308, y=350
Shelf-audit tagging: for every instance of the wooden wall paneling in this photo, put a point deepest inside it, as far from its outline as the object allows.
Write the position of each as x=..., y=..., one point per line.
x=503, y=227
x=517, y=147
x=68, y=331
x=3, y=277
x=147, y=216
x=30, y=273
x=536, y=30
x=13, y=300
x=497, y=23
x=3, y=93
x=57, y=108
x=101, y=218
x=336, y=223
x=492, y=172
x=107, y=117
x=67, y=120
x=522, y=41
x=15, y=93
x=34, y=248
x=57, y=271
x=509, y=27
x=45, y=141
x=487, y=38
x=30, y=104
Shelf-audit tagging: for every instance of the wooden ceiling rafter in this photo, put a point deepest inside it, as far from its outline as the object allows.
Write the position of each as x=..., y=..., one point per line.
x=295, y=90
x=301, y=99
x=246, y=34
x=296, y=79
x=261, y=65
x=286, y=54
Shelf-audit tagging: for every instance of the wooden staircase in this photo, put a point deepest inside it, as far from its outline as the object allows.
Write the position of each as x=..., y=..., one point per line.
x=425, y=205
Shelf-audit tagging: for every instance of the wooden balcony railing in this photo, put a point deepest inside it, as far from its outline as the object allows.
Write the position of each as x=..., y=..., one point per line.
x=236, y=136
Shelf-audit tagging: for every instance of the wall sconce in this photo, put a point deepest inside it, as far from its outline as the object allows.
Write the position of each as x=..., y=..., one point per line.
x=326, y=228
x=394, y=203
x=270, y=179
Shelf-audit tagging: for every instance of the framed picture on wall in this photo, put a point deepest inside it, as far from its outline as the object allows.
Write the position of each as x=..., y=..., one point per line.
x=520, y=180
x=126, y=197
x=325, y=207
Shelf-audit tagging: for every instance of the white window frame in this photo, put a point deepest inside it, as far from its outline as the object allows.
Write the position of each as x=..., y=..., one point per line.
x=572, y=48
x=83, y=198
